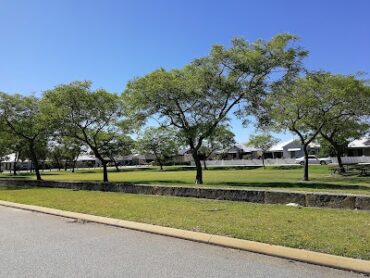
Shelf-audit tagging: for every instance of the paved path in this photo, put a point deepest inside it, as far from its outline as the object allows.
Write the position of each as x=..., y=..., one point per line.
x=40, y=245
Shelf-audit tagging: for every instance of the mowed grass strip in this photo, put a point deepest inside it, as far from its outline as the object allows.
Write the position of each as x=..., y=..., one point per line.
x=282, y=178
x=339, y=232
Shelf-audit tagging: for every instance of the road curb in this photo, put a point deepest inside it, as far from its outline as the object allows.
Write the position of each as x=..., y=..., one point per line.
x=306, y=256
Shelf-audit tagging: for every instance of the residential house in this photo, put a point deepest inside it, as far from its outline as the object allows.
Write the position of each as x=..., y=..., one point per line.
x=136, y=159
x=360, y=147
x=10, y=160
x=87, y=161
x=238, y=151
x=290, y=149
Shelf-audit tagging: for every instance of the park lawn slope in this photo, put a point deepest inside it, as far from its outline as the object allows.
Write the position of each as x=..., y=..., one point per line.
x=338, y=232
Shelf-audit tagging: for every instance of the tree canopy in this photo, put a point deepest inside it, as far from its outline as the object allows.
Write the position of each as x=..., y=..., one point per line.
x=263, y=142
x=221, y=140
x=306, y=105
x=23, y=117
x=198, y=98
x=192, y=105
x=162, y=143
x=87, y=115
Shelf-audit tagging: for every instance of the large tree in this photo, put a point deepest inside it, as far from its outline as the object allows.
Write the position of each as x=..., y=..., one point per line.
x=340, y=133
x=263, y=142
x=90, y=116
x=198, y=98
x=162, y=143
x=22, y=117
x=347, y=121
x=307, y=104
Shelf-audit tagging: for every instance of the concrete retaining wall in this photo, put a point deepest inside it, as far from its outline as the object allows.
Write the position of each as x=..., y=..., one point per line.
x=322, y=200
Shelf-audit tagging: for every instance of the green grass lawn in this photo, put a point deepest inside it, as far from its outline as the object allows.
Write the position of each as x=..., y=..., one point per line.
x=340, y=232
x=269, y=178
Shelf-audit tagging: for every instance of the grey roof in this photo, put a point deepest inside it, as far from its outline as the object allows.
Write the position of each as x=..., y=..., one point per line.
x=363, y=142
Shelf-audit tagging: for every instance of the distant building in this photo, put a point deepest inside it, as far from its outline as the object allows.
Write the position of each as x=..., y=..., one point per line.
x=135, y=159
x=287, y=149
x=87, y=161
x=10, y=160
x=238, y=151
x=360, y=147
x=290, y=149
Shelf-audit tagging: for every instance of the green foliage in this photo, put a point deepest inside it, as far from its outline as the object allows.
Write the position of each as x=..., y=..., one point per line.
x=120, y=146
x=89, y=116
x=317, y=102
x=262, y=141
x=198, y=98
x=348, y=120
x=161, y=142
x=5, y=144
x=221, y=140
x=22, y=116
x=71, y=148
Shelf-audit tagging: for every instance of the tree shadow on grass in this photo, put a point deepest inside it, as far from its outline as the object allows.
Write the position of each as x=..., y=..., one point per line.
x=13, y=187
x=296, y=185
x=282, y=185
x=15, y=177
x=53, y=173
x=237, y=185
x=275, y=185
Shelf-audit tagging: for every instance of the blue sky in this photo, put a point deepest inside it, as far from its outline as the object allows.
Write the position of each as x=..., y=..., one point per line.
x=45, y=43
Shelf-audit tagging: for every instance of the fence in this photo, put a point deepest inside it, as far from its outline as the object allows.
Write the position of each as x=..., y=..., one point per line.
x=353, y=159
x=280, y=161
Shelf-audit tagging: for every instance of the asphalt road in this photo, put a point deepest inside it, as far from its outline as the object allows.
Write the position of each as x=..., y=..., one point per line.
x=40, y=245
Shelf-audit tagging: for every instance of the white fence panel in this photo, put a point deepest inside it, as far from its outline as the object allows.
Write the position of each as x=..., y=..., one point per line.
x=353, y=159
x=280, y=161
x=248, y=162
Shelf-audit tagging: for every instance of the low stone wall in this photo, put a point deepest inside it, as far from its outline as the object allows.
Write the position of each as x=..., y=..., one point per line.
x=322, y=200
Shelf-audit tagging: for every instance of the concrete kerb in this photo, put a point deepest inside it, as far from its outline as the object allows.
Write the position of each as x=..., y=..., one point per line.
x=306, y=256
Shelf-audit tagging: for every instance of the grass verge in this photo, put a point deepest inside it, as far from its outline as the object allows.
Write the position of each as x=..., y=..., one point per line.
x=338, y=232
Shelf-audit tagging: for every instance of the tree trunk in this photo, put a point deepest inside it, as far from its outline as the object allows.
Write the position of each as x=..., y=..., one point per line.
x=35, y=162
x=15, y=164
x=105, y=171
x=337, y=148
x=198, y=165
x=205, y=164
x=338, y=153
x=263, y=161
x=305, y=175
x=159, y=160
x=116, y=165
x=340, y=162
x=73, y=166
x=15, y=168
x=103, y=162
